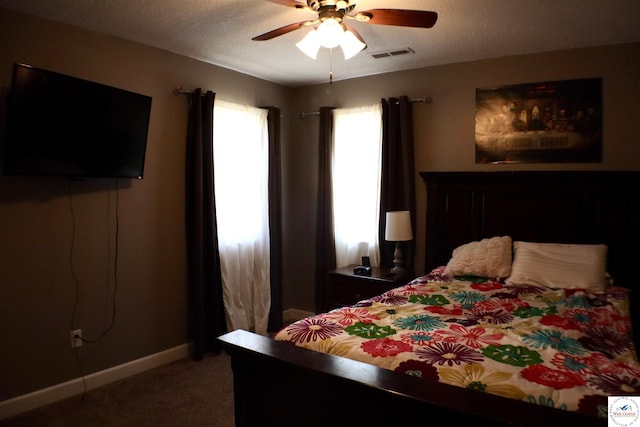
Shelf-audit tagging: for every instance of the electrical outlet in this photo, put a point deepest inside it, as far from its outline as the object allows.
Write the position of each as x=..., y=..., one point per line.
x=76, y=338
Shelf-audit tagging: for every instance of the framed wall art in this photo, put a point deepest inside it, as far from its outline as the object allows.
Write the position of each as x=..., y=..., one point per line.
x=546, y=122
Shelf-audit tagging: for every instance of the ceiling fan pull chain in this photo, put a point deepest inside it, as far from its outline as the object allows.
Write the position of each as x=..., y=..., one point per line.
x=330, y=66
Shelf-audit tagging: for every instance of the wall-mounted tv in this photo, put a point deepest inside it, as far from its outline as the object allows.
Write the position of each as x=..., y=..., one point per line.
x=59, y=125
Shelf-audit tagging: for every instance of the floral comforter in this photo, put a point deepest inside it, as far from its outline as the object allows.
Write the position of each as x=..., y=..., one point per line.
x=563, y=348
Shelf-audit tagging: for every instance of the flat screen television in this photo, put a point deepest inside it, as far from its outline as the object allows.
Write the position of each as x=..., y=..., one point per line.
x=58, y=125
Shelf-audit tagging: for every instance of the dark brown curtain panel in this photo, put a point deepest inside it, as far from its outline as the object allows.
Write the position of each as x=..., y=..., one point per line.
x=398, y=177
x=206, y=307
x=275, y=219
x=325, y=243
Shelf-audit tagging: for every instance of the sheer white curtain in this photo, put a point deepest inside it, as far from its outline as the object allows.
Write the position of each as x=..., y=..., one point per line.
x=241, y=170
x=357, y=164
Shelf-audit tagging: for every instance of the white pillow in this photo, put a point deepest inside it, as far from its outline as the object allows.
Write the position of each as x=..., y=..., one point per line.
x=559, y=265
x=486, y=258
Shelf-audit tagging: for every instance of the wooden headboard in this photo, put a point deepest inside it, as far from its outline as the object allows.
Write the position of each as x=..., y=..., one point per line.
x=541, y=206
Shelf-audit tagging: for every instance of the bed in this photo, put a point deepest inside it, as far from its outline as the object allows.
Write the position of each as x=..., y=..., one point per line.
x=300, y=378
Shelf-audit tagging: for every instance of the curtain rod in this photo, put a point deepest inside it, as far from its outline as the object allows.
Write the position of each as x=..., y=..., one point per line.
x=179, y=91
x=426, y=100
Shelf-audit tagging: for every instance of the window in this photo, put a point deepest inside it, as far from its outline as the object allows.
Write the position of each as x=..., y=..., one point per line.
x=241, y=172
x=357, y=164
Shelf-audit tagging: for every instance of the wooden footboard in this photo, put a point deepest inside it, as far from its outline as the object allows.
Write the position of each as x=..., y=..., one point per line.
x=279, y=384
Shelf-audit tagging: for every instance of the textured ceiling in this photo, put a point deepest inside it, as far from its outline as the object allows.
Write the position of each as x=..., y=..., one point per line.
x=220, y=31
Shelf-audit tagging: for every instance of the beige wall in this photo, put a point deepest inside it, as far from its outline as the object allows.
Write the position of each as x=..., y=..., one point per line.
x=444, y=130
x=37, y=289
x=36, y=286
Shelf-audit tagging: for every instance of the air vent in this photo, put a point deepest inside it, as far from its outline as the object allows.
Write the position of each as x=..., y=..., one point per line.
x=393, y=52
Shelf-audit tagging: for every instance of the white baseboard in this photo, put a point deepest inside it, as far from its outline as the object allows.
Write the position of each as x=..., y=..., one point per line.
x=27, y=402
x=18, y=405
x=295, y=314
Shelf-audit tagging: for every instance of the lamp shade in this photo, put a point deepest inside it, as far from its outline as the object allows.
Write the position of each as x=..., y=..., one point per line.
x=310, y=44
x=351, y=45
x=398, y=227
x=330, y=33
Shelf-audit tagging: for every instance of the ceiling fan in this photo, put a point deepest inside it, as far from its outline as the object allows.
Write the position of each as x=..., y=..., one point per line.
x=330, y=30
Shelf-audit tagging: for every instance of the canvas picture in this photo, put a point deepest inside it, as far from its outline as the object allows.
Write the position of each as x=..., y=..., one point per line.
x=545, y=122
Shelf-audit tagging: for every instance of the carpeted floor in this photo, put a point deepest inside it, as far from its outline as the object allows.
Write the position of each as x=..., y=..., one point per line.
x=182, y=393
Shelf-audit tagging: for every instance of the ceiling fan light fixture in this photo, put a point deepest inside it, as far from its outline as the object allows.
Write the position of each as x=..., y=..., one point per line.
x=331, y=33
x=310, y=44
x=351, y=45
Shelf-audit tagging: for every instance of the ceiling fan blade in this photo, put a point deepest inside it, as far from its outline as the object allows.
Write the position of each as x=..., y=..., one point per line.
x=282, y=30
x=403, y=18
x=291, y=3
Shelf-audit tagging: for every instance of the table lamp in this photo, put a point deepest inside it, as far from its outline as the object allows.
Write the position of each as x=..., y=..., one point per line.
x=398, y=230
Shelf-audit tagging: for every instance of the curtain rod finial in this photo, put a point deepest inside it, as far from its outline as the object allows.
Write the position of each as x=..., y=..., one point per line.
x=179, y=91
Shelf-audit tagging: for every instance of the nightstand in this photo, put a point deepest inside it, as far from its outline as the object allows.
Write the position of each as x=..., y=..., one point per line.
x=345, y=288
